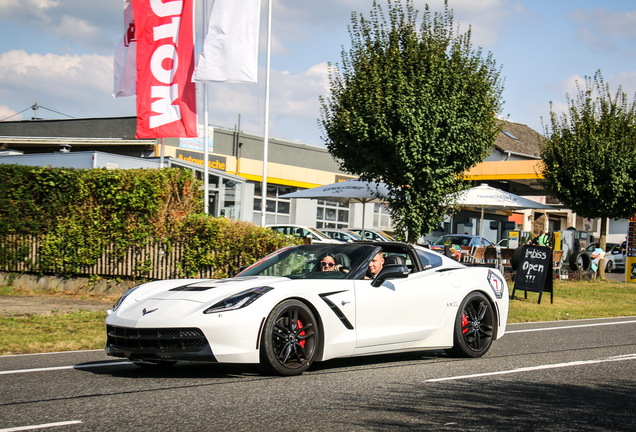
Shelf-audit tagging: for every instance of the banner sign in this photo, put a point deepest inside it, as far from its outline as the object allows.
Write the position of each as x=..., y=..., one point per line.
x=630, y=257
x=166, y=95
x=125, y=57
x=230, y=47
x=534, y=272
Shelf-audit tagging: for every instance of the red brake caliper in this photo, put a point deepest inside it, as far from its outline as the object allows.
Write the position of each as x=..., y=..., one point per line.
x=464, y=324
x=302, y=333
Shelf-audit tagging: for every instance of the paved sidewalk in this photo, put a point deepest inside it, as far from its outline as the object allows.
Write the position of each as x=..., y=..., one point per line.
x=618, y=277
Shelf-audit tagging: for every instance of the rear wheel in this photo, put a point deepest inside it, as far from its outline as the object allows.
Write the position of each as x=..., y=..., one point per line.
x=609, y=267
x=290, y=339
x=474, y=327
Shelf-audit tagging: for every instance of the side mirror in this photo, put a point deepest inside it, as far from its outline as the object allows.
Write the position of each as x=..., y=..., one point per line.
x=392, y=271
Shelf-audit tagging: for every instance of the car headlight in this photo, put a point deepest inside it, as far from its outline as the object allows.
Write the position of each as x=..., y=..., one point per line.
x=238, y=301
x=123, y=297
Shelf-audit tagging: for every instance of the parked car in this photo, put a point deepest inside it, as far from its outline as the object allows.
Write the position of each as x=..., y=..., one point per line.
x=285, y=313
x=342, y=235
x=373, y=234
x=614, y=255
x=503, y=243
x=304, y=231
x=465, y=240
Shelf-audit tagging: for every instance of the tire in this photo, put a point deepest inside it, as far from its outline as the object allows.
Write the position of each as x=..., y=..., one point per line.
x=289, y=348
x=609, y=266
x=159, y=364
x=474, y=327
x=581, y=261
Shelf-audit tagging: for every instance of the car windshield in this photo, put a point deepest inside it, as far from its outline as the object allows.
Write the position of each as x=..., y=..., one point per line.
x=593, y=246
x=306, y=262
x=388, y=237
x=456, y=240
x=317, y=233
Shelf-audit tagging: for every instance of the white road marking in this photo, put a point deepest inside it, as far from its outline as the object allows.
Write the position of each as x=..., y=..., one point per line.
x=87, y=366
x=48, y=353
x=534, y=368
x=41, y=426
x=571, y=326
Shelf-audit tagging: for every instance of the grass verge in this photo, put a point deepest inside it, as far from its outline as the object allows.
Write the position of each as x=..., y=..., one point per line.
x=79, y=330
x=85, y=330
x=576, y=300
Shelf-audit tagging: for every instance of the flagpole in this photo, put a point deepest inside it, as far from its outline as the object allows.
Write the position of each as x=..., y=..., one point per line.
x=206, y=177
x=163, y=152
x=266, y=134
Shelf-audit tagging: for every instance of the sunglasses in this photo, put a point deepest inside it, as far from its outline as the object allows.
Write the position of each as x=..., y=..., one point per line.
x=326, y=264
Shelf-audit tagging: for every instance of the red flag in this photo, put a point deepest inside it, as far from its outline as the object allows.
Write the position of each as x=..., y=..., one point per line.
x=166, y=95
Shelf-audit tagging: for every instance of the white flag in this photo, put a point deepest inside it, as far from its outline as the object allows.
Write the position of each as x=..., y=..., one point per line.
x=125, y=62
x=230, y=47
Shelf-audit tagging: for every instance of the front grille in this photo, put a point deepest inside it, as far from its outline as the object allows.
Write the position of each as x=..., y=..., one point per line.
x=174, y=339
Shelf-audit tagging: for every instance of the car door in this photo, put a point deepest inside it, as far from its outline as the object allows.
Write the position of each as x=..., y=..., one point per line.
x=617, y=255
x=399, y=310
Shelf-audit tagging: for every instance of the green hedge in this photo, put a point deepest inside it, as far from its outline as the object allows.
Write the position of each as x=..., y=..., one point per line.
x=76, y=213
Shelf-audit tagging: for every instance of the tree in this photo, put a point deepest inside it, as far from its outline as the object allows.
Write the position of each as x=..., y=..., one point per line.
x=589, y=154
x=412, y=106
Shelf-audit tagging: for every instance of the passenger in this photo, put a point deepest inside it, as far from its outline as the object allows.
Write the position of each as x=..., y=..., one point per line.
x=328, y=263
x=375, y=266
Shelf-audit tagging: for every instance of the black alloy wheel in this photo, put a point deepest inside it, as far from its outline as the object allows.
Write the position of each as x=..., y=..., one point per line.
x=474, y=327
x=290, y=339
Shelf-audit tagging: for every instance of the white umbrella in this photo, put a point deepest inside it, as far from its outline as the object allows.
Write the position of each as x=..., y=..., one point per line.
x=485, y=196
x=348, y=191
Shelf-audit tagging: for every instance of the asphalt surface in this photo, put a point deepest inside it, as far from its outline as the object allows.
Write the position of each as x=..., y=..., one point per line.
x=555, y=376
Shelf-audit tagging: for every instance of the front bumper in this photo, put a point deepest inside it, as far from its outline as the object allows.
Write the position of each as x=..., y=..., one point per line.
x=185, y=344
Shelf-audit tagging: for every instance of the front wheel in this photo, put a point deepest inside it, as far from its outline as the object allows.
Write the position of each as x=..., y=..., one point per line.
x=474, y=327
x=290, y=339
x=609, y=266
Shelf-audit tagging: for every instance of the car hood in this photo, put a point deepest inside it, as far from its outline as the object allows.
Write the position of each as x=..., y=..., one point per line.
x=202, y=291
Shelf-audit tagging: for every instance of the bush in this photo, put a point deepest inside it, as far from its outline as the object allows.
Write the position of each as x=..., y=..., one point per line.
x=78, y=214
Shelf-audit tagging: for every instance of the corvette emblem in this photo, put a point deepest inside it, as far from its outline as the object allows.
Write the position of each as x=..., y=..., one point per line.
x=145, y=312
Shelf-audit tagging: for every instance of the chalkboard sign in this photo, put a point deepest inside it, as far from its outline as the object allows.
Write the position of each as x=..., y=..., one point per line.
x=534, y=272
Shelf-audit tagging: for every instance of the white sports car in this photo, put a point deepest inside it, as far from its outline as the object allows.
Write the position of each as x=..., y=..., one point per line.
x=313, y=303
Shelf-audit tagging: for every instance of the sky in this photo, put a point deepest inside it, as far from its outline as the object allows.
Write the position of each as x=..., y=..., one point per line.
x=59, y=54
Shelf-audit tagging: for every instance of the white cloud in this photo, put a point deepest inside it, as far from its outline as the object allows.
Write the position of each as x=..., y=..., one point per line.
x=94, y=24
x=604, y=32
x=487, y=17
x=627, y=80
x=27, y=10
x=294, y=104
x=606, y=23
x=7, y=113
x=76, y=85
x=571, y=85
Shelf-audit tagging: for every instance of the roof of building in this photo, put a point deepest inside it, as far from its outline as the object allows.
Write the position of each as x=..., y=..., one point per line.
x=520, y=139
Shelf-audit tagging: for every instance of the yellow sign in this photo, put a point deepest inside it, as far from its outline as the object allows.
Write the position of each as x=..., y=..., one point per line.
x=630, y=256
x=557, y=240
x=513, y=239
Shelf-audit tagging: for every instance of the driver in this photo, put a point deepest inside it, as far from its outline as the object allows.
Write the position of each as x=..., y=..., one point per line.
x=375, y=266
x=328, y=263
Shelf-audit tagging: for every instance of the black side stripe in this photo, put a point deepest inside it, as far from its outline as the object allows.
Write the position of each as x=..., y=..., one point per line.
x=336, y=310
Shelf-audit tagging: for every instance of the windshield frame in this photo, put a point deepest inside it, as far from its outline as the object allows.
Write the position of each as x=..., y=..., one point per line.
x=359, y=255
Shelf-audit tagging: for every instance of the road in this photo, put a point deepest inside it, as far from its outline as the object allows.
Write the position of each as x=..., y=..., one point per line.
x=556, y=376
